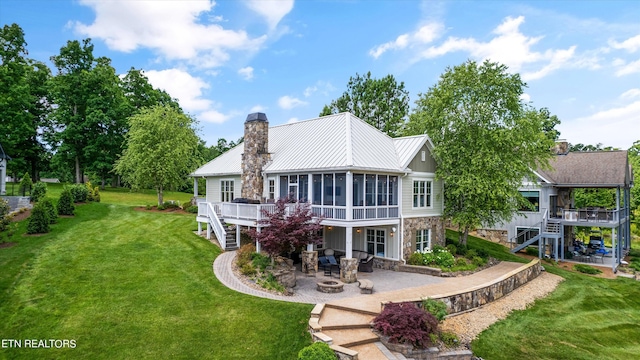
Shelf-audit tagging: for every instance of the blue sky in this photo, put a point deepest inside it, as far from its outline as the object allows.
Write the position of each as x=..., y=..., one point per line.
x=225, y=59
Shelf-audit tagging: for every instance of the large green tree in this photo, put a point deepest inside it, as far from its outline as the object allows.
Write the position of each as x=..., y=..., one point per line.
x=23, y=105
x=161, y=149
x=486, y=141
x=382, y=103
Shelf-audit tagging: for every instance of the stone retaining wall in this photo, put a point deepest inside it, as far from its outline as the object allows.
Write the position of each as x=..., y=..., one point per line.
x=467, y=299
x=419, y=269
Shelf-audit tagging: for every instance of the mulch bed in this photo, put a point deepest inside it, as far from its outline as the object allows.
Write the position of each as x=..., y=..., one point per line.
x=21, y=216
x=7, y=244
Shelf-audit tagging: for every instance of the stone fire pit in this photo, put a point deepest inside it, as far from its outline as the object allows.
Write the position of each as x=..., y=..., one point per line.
x=330, y=286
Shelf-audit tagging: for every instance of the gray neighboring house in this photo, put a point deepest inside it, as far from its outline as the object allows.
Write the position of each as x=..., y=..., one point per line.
x=376, y=194
x=555, y=214
x=3, y=171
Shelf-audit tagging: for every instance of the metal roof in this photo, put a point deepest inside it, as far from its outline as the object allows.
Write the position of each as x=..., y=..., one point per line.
x=329, y=143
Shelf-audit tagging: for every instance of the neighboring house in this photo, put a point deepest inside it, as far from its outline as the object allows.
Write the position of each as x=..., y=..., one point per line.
x=554, y=213
x=375, y=193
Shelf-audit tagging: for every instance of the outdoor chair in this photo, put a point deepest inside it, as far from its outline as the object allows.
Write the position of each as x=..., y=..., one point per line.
x=328, y=264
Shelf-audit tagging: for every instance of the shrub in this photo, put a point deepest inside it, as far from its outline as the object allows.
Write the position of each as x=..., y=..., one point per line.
x=586, y=269
x=25, y=184
x=449, y=339
x=461, y=262
x=171, y=204
x=52, y=213
x=531, y=251
x=4, y=214
x=270, y=282
x=482, y=253
x=317, y=351
x=161, y=207
x=149, y=207
x=478, y=261
x=462, y=249
x=415, y=259
x=193, y=209
x=260, y=261
x=436, y=308
x=39, y=220
x=39, y=191
x=452, y=249
x=244, y=255
x=471, y=254
x=248, y=270
x=405, y=323
x=79, y=193
x=96, y=194
x=65, y=202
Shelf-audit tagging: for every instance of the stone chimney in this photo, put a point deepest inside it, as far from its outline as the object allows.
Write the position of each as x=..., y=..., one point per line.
x=561, y=147
x=255, y=156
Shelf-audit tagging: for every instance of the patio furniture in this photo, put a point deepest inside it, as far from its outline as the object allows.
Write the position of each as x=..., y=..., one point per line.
x=365, y=260
x=366, y=286
x=328, y=264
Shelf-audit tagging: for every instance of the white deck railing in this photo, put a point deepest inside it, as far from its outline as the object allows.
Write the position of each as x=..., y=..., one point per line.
x=211, y=211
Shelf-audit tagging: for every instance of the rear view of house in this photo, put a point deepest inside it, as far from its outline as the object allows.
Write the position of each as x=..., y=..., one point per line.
x=376, y=194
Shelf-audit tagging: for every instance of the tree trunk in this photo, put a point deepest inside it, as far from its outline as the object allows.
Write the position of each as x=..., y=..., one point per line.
x=160, y=200
x=78, y=179
x=465, y=235
x=103, y=181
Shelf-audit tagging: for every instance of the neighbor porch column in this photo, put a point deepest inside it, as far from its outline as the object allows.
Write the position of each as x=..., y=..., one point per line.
x=195, y=187
x=3, y=177
x=258, y=229
x=237, y=236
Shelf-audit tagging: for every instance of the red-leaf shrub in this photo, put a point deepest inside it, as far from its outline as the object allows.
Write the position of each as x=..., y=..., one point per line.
x=288, y=228
x=405, y=323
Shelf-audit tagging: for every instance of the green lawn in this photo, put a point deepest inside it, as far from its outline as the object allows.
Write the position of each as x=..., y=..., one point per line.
x=128, y=284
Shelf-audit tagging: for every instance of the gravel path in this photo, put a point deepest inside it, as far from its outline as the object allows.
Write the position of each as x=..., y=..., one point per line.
x=468, y=325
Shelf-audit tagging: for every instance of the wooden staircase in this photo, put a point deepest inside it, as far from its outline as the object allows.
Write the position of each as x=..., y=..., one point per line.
x=231, y=244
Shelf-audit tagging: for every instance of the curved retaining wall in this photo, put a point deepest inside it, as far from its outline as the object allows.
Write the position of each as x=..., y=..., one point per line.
x=467, y=299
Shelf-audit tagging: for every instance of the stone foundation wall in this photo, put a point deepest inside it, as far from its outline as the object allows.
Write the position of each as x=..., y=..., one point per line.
x=469, y=299
x=386, y=264
x=309, y=262
x=418, y=269
x=348, y=270
x=497, y=236
x=432, y=353
x=411, y=225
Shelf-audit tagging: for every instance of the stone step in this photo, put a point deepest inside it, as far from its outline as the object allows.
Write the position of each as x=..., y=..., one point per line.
x=370, y=352
x=351, y=337
x=350, y=309
x=333, y=318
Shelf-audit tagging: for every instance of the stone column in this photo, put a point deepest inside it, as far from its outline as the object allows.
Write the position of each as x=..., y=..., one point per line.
x=348, y=270
x=309, y=262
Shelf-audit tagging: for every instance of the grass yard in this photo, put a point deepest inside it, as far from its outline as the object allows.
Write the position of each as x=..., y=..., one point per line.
x=128, y=284
x=585, y=318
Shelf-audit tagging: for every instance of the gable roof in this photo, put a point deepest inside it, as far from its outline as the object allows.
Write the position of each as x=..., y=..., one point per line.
x=589, y=169
x=3, y=155
x=329, y=143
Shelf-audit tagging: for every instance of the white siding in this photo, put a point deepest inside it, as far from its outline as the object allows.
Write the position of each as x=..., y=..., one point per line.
x=213, y=187
x=437, y=199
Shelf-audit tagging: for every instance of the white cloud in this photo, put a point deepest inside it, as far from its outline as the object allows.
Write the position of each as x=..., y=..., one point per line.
x=631, y=44
x=171, y=28
x=612, y=127
x=246, y=72
x=324, y=87
x=630, y=94
x=293, y=120
x=630, y=68
x=525, y=97
x=287, y=102
x=181, y=85
x=214, y=116
x=424, y=35
x=258, y=108
x=272, y=10
x=310, y=90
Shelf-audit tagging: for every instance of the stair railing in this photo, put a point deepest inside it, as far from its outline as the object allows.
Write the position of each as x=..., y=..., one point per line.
x=216, y=224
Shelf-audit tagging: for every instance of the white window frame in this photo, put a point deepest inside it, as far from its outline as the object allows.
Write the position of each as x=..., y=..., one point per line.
x=422, y=240
x=229, y=192
x=375, y=239
x=427, y=193
x=271, y=189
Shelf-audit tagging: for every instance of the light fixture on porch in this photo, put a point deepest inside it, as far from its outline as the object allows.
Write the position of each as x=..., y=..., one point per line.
x=358, y=230
x=329, y=227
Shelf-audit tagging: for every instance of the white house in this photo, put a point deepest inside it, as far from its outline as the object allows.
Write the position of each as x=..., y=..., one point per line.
x=554, y=214
x=375, y=193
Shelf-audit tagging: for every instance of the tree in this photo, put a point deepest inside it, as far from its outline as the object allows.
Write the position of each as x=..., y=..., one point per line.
x=23, y=107
x=287, y=231
x=486, y=141
x=160, y=149
x=382, y=103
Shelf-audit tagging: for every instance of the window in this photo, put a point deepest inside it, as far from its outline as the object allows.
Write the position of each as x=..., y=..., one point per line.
x=340, y=186
x=525, y=234
x=328, y=189
x=317, y=189
x=376, y=239
x=303, y=188
x=423, y=155
x=534, y=198
x=370, y=190
x=358, y=186
x=272, y=189
x=421, y=193
x=393, y=190
x=226, y=190
x=382, y=190
x=423, y=239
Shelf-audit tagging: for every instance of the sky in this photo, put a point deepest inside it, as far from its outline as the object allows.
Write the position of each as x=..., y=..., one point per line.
x=225, y=59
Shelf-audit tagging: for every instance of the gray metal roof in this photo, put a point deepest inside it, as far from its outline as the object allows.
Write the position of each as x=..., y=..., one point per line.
x=335, y=142
x=589, y=169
